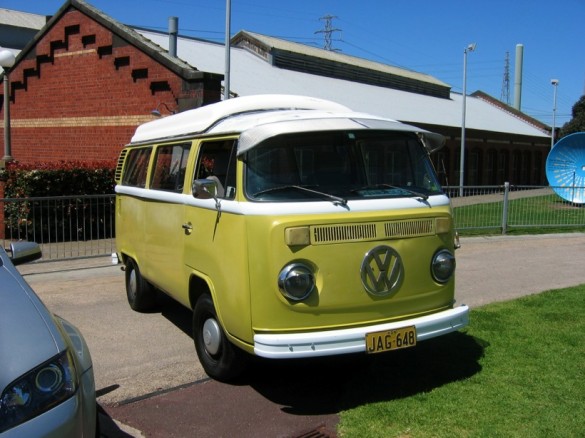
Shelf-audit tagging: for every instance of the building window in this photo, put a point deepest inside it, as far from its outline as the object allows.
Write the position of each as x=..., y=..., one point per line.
x=441, y=162
x=492, y=169
x=474, y=167
x=526, y=167
x=503, y=167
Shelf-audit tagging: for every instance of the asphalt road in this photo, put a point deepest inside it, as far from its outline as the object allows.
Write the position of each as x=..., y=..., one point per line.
x=138, y=355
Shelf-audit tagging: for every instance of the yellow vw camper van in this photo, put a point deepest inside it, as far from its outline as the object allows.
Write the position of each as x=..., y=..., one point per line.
x=292, y=227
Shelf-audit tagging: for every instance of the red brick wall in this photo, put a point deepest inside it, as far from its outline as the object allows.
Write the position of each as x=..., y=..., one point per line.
x=81, y=92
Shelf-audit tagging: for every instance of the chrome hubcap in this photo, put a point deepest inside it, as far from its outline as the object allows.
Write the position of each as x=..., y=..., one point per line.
x=132, y=283
x=211, y=336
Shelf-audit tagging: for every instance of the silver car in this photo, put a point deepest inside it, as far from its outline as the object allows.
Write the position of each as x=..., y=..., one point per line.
x=47, y=384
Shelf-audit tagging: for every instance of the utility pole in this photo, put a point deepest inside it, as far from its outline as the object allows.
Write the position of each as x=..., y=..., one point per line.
x=228, y=31
x=328, y=31
x=505, y=97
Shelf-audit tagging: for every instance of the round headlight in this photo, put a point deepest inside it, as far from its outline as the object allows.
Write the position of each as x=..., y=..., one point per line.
x=296, y=281
x=443, y=266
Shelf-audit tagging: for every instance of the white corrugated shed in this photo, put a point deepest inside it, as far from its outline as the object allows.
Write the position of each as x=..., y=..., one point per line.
x=9, y=17
x=251, y=75
x=334, y=56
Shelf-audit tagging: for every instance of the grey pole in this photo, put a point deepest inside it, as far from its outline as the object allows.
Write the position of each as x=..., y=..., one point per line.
x=7, y=60
x=173, y=34
x=226, y=79
x=469, y=48
x=518, y=76
x=555, y=83
x=7, y=146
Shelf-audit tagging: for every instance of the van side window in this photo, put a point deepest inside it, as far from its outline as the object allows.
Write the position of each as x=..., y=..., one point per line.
x=136, y=167
x=217, y=161
x=169, y=167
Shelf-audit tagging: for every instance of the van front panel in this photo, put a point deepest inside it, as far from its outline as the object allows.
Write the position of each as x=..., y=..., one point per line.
x=348, y=292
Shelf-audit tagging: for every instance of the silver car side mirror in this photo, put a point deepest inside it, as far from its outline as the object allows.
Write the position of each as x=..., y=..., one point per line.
x=204, y=188
x=22, y=252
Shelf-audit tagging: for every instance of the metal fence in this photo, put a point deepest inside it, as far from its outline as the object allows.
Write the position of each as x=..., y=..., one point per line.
x=511, y=208
x=83, y=226
x=65, y=227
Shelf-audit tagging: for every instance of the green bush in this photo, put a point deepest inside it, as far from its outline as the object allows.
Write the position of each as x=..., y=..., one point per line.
x=63, y=178
x=69, y=218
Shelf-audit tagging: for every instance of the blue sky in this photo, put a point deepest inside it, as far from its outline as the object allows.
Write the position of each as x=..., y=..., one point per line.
x=428, y=36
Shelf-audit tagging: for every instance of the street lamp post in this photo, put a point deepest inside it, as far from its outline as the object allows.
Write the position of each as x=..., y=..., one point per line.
x=7, y=62
x=555, y=83
x=469, y=48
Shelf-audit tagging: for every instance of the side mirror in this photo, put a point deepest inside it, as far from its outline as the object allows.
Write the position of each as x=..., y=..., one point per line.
x=23, y=252
x=204, y=188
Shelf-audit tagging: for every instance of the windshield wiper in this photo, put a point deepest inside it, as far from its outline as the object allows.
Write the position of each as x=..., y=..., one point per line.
x=335, y=199
x=390, y=186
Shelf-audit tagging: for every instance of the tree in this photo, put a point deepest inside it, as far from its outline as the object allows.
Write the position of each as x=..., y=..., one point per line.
x=577, y=123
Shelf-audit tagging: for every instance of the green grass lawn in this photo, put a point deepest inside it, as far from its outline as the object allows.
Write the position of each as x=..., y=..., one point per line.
x=518, y=370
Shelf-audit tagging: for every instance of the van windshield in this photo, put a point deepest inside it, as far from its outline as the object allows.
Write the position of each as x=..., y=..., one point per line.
x=339, y=166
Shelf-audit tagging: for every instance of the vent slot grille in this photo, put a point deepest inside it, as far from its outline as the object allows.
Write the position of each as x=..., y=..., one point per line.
x=325, y=234
x=422, y=227
x=119, y=167
x=344, y=233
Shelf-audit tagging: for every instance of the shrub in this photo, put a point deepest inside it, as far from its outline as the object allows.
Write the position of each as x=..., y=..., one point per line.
x=63, y=178
x=70, y=218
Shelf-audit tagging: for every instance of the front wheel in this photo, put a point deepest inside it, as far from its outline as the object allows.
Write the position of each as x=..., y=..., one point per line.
x=220, y=359
x=141, y=295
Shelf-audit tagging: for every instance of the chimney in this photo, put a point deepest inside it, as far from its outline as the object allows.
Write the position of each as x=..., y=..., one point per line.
x=518, y=76
x=173, y=32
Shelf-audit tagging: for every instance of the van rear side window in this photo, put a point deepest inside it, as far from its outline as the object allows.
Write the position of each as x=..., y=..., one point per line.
x=136, y=167
x=169, y=168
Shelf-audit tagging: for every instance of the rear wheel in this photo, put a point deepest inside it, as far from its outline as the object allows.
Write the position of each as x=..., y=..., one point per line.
x=141, y=295
x=220, y=359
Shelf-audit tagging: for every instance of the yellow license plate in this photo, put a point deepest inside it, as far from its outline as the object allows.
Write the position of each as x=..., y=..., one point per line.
x=388, y=340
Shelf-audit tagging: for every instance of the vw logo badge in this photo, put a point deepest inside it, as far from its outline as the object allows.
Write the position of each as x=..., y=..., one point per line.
x=381, y=270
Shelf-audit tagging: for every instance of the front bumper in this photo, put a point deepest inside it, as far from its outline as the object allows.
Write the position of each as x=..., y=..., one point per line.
x=345, y=341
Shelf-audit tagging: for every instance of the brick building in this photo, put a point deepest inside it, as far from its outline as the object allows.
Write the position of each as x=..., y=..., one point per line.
x=81, y=86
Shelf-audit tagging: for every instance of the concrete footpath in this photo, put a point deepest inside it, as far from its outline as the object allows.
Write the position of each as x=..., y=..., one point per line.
x=303, y=399
x=501, y=268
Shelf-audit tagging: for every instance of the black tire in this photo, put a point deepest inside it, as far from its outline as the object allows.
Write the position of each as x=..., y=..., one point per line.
x=98, y=430
x=140, y=293
x=220, y=359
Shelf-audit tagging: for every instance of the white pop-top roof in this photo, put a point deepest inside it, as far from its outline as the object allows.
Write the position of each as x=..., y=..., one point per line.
x=264, y=116
x=201, y=119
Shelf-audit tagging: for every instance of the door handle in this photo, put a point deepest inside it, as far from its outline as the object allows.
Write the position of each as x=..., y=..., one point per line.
x=188, y=227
